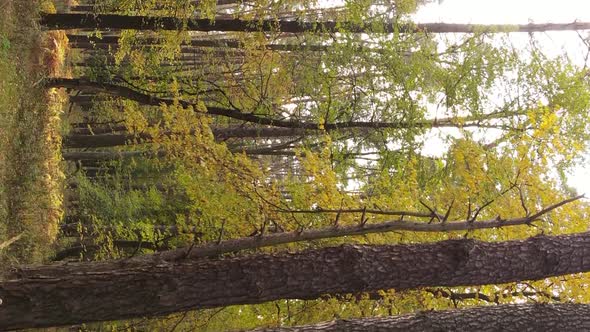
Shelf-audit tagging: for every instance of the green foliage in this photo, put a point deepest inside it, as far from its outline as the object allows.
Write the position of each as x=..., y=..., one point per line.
x=4, y=45
x=30, y=201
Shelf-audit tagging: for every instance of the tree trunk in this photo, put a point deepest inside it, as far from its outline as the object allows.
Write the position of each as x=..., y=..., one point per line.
x=82, y=226
x=77, y=140
x=89, y=41
x=93, y=158
x=142, y=98
x=510, y=317
x=77, y=249
x=101, y=140
x=157, y=284
x=108, y=21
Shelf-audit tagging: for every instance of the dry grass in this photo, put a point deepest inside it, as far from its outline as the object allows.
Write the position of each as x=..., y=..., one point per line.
x=31, y=181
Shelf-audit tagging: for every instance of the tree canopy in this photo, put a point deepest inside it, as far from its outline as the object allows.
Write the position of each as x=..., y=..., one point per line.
x=221, y=139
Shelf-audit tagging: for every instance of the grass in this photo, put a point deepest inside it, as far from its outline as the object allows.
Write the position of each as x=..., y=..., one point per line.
x=31, y=181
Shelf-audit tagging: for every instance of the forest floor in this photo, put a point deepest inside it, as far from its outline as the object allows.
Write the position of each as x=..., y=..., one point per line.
x=31, y=180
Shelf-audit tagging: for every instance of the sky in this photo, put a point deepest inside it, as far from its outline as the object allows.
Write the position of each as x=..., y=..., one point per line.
x=521, y=12
x=505, y=11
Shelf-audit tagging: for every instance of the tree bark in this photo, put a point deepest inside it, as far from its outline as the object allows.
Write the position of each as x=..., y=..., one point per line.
x=157, y=284
x=538, y=317
x=87, y=140
x=109, y=21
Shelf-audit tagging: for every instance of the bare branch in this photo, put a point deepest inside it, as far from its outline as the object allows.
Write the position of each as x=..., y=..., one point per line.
x=365, y=210
x=553, y=207
x=433, y=213
x=522, y=202
x=12, y=240
x=301, y=234
x=486, y=204
x=448, y=211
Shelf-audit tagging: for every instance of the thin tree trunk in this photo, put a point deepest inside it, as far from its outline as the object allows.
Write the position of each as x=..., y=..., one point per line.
x=125, y=186
x=109, y=155
x=191, y=56
x=78, y=248
x=157, y=284
x=83, y=99
x=124, y=92
x=108, y=21
x=538, y=317
x=89, y=41
x=493, y=298
x=83, y=227
x=93, y=158
x=101, y=140
x=89, y=129
x=87, y=140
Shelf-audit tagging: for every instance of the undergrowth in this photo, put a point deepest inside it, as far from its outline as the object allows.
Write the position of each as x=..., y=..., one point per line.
x=31, y=181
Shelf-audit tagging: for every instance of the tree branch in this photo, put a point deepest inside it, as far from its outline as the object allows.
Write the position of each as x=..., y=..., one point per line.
x=234, y=245
x=146, y=99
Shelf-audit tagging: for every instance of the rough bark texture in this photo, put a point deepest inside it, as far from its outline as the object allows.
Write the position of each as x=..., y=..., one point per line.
x=501, y=318
x=107, y=21
x=153, y=285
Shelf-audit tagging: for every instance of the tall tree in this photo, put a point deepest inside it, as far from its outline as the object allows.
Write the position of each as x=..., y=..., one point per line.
x=386, y=84
x=49, y=295
x=110, y=21
x=514, y=318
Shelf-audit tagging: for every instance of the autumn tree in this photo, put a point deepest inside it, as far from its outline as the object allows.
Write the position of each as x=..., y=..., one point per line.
x=279, y=131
